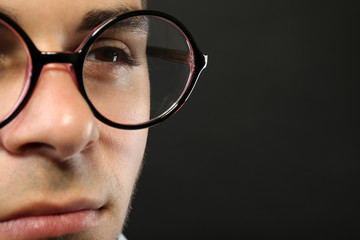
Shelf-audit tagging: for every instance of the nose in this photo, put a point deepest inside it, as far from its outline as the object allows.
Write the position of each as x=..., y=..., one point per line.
x=56, y=122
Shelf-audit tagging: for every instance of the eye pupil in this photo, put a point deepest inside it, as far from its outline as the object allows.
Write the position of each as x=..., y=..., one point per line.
x=107, y=55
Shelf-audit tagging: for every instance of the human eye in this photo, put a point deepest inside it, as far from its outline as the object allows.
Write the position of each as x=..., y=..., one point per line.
x=111, y=63
x=106, y=54
x=111, y=52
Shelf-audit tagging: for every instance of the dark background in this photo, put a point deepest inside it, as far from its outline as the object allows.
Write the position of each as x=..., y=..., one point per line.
x=266, y=147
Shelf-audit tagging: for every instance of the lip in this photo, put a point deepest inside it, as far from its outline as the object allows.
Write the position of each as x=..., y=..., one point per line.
x=43, y=220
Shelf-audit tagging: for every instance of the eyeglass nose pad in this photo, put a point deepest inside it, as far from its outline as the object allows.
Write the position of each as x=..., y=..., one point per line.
x=71, y=70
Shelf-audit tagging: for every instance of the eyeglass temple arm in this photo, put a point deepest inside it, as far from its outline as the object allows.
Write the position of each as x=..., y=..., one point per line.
x=168, y=54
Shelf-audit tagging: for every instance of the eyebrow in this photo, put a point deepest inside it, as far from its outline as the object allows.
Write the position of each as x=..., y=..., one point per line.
x=95, y=17
x=92, y=19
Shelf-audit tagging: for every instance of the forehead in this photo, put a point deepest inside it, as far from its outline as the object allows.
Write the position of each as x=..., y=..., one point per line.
x=54, y=25
x=36, y=13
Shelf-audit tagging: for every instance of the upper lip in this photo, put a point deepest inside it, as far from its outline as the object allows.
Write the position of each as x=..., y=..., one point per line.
x=46, y=208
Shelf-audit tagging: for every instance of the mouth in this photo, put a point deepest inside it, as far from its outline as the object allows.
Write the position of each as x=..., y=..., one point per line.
x=48, y=220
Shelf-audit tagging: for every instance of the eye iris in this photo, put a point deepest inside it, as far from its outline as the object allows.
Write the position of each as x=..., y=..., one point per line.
x=107, y=55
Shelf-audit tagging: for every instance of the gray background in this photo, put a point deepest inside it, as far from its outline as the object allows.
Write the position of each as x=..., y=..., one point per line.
x=266, y=146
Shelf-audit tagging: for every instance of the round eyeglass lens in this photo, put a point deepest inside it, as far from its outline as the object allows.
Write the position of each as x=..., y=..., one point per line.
x=14, y=62
x=138, y=69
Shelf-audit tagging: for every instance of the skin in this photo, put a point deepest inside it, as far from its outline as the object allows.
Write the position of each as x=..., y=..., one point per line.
x=55, y=151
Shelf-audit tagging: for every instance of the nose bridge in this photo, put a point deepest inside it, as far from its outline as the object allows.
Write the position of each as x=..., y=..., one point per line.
x=55, y=61
x=56, y=121
x=60, y=57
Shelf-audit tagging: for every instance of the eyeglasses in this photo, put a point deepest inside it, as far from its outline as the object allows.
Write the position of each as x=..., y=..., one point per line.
x=134, y=70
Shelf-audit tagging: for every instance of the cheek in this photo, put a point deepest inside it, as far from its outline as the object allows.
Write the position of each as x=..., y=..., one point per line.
x=123, y=151
x=122, y=97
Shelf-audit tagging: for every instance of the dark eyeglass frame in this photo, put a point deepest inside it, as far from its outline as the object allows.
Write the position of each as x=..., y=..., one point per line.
x=78, y=57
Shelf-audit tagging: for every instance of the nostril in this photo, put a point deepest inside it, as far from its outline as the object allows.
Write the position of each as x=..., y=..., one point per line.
x=36, y=146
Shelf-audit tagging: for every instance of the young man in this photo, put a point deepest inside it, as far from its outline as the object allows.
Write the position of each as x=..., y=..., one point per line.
x=68, y=159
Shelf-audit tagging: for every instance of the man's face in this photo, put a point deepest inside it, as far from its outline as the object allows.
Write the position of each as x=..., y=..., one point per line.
x=62, y=172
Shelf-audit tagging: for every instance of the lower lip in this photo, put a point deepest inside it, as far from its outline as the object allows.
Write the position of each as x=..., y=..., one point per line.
x=49, y=225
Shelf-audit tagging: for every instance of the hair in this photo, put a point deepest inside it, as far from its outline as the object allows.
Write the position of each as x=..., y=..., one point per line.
x=144, y=3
